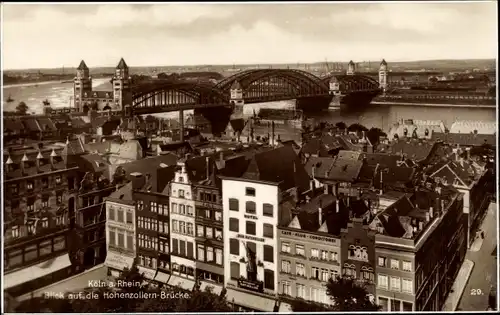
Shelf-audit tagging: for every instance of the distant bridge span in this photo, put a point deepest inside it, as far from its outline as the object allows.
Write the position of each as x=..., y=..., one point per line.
x=256, y=85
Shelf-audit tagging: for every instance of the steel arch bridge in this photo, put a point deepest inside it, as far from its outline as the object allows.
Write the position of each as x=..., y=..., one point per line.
x=353, y=83
x=169, y=96
x=257, y=85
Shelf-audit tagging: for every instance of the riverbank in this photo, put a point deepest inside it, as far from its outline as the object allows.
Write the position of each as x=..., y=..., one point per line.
x=435, y=105
x=6, y=86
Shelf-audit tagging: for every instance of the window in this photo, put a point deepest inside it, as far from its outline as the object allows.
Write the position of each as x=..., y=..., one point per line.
x=130, y=241
x=268, y=230
x=301, y=291
x=140, y=205
x=112, y=240
x=111, y=214
x=210, y=254
x=31, y=204
x=190, y=211
x=190, y=229
x=59, y=197
x=350, y=271
x=234, y=204
x=268, y=253
x=314, y=295
x=358, y=253
x=382, y=281
x=250, y=192
x=190, y=250
x=314, y=273
x=235, y=270
x=175, y=226
x=325, y=275
x=314, y=253
x=267, y=210
x=218, y=256
x=234, y=246
x=324, y=255
x=285, y=266
x=382, y=261
x=153, y=206
x=334, y=256
x=395, y=284
x=366, y=275
x=407, y=286
x=250, y=207
x=300, y=270
x=209, y=232
x=234, y=225
x=287, y=288
x=182, y=209
x=218, y=215
x=45, y=223
x=182, y=227
x=45, y=202
x=269, y=279
x=299, y=250
x=200, y=231
x=181, y=192
x=394, y=264
x=250, y=228
x=285, y=247
x=129, y=217
x=334, y=274
x=120, y=215
x=29, y=185
x=15, y=231
x=406, y=265
x=174, y=208
x=201, y=252
x=45, y=182
x=218, y=234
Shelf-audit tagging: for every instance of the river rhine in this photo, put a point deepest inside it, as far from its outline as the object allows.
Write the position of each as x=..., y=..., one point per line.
x=59, y=95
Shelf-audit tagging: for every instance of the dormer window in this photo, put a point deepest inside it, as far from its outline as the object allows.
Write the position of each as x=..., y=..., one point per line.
x=58, y=179
x=45, y=223
x=29, y=185
x=59, y=220
x=31, y=228
x=181, y=179
x=181, y=193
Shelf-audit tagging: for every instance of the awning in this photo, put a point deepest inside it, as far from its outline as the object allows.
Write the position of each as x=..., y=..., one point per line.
x=285, y=308
x=37, y=271
x=162, y=277
x=215, y=287
x=251, y=301
x=183, y=283
x=117, y=261
x=148, y=273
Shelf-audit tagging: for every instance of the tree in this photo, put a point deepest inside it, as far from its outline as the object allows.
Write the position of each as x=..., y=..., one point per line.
x=357, y=127
x=22, y=108
x=348, y=295
x=300, y=305
x=374, y=135
x=341, y=125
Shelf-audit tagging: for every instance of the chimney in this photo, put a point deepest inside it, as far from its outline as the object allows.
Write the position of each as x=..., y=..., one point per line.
x=39, y=158
x=442, y=205
x=23, y=161
x=431, y=212
x=52, y=156
x=314, y=171
x=207, y=160
x=221, y=156
x=468, y=153
x=427, y=216
x=420, y=226
x=138, y=180
x=337, y=206
x=381, y=182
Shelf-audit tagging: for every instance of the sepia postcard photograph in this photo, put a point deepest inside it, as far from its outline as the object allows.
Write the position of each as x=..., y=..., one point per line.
x=278, y=157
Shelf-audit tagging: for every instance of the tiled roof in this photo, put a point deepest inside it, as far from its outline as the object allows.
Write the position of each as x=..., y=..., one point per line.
x=321, y=166
x=466, y=139
x=124, y=193
x=350, y=155
x=13, y=124
x=383, y=159
x=46, y=124
x=149, y=165
x=342, y=170
x=280, y=165
x=414, y=149
x=237, y=125
x=82, y=66
x=74, y=147
x=30, y=165
x=97, y=163
x=395, y=176
x=31, y=124
x=122, y=64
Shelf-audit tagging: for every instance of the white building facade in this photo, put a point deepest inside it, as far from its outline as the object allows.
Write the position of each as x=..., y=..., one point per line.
x=182, y=234
x=250, y=214
x=120, y=235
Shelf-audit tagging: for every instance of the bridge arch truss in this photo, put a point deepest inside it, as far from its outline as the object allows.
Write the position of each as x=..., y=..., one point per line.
x=356, y=82
x=167, y=96
x=259, y=84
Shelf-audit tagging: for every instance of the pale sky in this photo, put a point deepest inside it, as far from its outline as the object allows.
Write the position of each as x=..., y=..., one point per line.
x=56, y=35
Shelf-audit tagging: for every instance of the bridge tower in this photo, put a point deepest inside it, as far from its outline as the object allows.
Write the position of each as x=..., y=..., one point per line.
x=382, y=75
x=237, y=99
x=351, y=68
x=122, y=92
x=82, y=84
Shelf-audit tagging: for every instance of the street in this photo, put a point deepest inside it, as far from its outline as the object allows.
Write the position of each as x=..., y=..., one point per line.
x=71, y=284
x=484, y=274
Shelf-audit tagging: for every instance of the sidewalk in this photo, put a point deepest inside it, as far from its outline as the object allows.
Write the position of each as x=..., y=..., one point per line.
x=458, y=286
